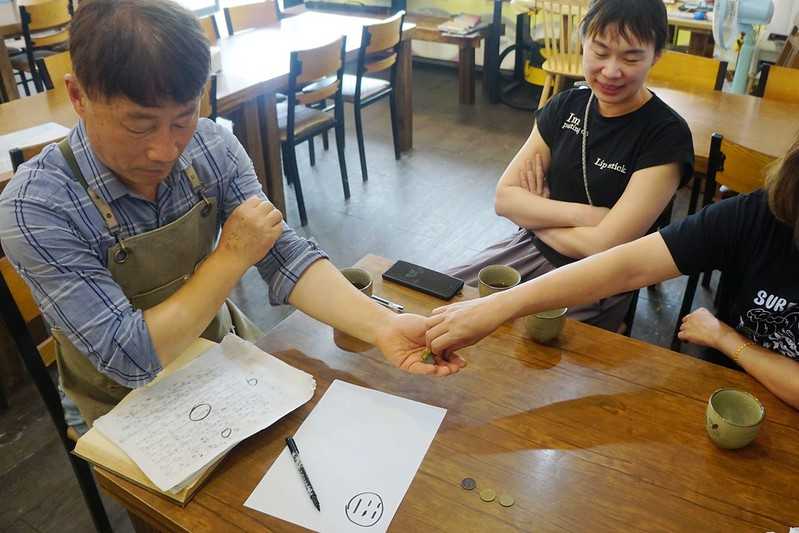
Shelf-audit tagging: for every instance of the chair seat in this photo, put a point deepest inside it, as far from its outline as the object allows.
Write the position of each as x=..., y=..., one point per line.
x=20, y=61
x=369, y=87
x=558, y=64
x=305, y=120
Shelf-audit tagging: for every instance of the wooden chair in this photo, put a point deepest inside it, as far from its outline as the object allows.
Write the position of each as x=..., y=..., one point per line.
x=378, y=52
x=19, y=310
x=741, y=170
x=779, y=83
x=322, y=68
x=31, y=336
x=688, y=72
x=208, y=24
x=45, y=29
x=247, y=16
x=208, y=101
x=562, y=44
x=52, y=69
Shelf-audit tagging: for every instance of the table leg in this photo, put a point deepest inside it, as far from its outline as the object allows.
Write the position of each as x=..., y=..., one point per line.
x=404, y=90
x=248, y=123
x=466, y=75
x=7, y=73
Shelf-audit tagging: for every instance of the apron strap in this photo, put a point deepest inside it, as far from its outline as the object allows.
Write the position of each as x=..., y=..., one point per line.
x=102, y=206
x=198, y=187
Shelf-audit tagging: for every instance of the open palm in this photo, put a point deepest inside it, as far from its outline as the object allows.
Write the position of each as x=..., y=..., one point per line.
x=402, y=342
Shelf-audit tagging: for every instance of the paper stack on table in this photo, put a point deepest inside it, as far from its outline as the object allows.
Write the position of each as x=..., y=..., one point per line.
x=361, y=449
x=462, y=25
x=177, y=426
x=27, y=137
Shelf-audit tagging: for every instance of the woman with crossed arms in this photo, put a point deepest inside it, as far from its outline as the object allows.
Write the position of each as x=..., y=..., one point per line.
x=753, y=239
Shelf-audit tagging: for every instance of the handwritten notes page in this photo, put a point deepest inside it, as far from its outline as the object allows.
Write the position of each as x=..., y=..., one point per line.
x=174, y=427
x=361, y=449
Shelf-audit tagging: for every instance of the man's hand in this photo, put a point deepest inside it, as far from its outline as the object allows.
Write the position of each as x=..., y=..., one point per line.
x=704, y=329
x=251, y=231
x=402, y=341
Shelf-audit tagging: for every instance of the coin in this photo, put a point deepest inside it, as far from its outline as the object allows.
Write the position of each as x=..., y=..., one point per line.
x=468, y=483
x=488, y=495
x=427, y=357
x=506, y=500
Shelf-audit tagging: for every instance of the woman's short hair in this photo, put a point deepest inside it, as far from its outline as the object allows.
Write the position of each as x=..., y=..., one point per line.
x=782, y=185
x=149, y=51
x=646, y=20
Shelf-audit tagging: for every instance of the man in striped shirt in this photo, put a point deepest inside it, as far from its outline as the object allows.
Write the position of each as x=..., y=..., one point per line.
x=88, y=222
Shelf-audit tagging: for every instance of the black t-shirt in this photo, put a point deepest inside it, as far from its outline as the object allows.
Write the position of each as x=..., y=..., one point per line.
x=742, y=238
x=617, y=147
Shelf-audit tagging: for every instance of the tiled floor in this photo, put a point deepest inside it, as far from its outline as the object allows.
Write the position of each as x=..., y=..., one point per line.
x=433, y=207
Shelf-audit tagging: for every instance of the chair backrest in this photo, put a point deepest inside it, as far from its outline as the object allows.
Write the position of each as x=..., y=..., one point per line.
x=320, y=70
x=53, y=68
x=245, y=16
x=561, y=22
x=789, y=57
x=379, y=42
x=28, y=310
x=739, y=168
x=208, y=24
x=779, y=83
x=45, y=17
x=21, y=154
x=687, y=71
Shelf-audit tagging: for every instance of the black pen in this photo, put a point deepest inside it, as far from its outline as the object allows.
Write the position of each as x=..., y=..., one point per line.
x=295, y=454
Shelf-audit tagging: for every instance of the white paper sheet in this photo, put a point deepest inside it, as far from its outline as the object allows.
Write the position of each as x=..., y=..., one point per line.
x=361, y=449
x=49, y=131
x=174, y=427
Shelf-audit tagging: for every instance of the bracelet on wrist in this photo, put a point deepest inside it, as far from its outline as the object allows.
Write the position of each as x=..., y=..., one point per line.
x=736, y=355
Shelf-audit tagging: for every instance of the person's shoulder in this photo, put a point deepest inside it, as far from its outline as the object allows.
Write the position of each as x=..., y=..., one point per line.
x=210, y=134
x=576, y=96
x=45, y=176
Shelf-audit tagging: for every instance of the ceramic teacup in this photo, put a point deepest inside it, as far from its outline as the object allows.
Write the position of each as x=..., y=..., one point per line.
x=496, y=278
x=545, y=326
x=733, y=418
x=361, y=280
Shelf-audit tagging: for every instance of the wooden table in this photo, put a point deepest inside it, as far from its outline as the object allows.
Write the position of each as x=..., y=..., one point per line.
x=701, y=42
x=600, y=433
x=768, y=126
x=255, y=66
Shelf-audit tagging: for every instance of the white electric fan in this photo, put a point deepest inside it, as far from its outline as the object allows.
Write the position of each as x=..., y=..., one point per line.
x=731, y=18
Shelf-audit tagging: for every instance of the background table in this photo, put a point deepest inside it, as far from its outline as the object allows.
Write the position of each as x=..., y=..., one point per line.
x=255, y=67
x=768, y=126
x=600, y=433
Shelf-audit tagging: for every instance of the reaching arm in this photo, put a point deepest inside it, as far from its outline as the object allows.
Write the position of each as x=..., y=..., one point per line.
x=324, y=294
x=637, y=264
x=526, y=208
x=646, y=196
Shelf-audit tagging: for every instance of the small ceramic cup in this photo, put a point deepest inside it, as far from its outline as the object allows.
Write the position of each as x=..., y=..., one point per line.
x=733, y=418
x=361, y=280
x=545, y=326
x=496, y=278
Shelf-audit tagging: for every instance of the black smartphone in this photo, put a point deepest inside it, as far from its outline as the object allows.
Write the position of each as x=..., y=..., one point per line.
x=424, y=280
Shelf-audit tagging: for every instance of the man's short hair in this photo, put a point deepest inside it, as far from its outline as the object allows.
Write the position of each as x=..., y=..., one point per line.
x=150, y=51
x=646, y=20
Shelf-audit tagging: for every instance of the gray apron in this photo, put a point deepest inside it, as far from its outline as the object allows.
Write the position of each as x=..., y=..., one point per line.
x=149, y=267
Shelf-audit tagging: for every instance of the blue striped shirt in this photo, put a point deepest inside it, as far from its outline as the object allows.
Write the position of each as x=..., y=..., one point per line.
x=54, y=236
